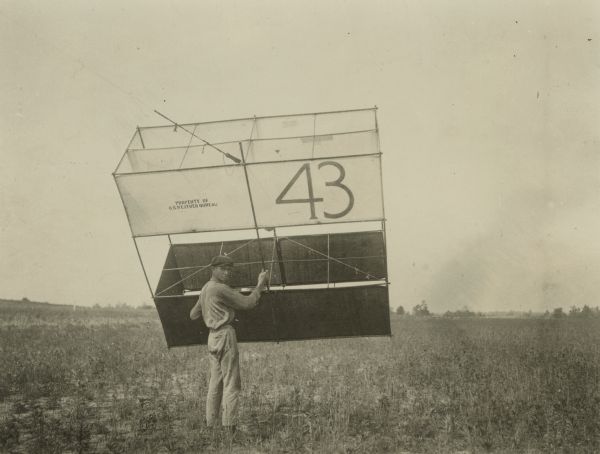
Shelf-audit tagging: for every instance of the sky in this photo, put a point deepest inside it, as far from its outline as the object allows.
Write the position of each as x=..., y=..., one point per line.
x=488, y=115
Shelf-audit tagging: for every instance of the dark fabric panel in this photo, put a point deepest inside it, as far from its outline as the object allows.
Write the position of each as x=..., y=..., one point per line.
x=179, y=329
x=168, y=283
x=334, y=312
x=303, y=265
x=246, y=252
x=288, y=315
x=303, y=260
x=362, y=254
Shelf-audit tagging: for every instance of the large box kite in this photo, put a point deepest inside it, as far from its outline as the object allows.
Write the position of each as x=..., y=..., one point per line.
x=300, y=195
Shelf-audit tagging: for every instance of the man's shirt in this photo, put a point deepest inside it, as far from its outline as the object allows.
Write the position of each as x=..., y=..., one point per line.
x=217, y=304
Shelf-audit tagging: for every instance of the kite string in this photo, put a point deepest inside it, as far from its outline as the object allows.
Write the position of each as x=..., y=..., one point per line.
x=250, y=142
x=181, y=280
x=286, y=261
x=188, y=146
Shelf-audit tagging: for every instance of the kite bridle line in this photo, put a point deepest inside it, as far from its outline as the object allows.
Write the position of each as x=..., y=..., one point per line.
x=272, y=262
x=177, y=125
x=357, y=270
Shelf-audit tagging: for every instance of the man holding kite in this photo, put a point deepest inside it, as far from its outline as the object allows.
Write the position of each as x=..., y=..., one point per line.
x=217, y=305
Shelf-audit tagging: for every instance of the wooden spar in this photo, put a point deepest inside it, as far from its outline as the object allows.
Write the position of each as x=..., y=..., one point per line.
x=262, y=258
x=260, y=251
x=143, y=267
x=383, y=220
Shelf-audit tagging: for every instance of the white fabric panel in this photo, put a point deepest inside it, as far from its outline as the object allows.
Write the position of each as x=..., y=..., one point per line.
x=166, y=136
x=314, y=124
x=213, y=132
x=149, y=160
x=312, y=147
x=270, y=127
x=224, y=131
x=292, y=126
x=353, y=193
x=186, y=200
x=206, y=156
x=136, y=142
x=333, y=123
x=180, y=158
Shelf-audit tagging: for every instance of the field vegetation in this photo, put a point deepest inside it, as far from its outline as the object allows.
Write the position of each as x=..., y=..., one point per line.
x=102, y=380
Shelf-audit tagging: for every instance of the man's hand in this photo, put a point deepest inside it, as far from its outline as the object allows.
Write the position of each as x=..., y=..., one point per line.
x=263, y=278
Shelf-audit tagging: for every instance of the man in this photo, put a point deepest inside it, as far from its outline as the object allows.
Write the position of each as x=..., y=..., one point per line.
x=217, y=304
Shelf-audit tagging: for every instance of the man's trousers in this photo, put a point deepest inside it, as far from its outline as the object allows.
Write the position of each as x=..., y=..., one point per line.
x=225, y=384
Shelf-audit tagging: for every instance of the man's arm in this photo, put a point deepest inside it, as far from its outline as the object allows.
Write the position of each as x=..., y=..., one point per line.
x=236, y=300
x=196, y=311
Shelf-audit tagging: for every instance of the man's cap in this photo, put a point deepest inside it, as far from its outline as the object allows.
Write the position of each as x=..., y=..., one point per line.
x=221, y=260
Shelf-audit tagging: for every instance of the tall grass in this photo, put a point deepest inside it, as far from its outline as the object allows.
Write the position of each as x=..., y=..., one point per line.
x=105, y=382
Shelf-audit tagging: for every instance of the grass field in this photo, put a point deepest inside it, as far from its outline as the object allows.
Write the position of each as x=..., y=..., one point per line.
x=102, y=380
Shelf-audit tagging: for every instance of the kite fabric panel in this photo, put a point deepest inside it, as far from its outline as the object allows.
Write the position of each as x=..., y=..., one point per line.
x=291, y=170
x=170, y=282
x=178, y=158
x=216, y=132
x=311, y=147
x=341, y=257
x=323, y=134
x=294, y=260
x=287, y=315
x=192, y=260
x=317, y=192
x=186, y=201
x=284, y=194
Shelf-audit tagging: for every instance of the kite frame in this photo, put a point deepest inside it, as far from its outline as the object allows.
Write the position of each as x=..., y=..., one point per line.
x=243, y=163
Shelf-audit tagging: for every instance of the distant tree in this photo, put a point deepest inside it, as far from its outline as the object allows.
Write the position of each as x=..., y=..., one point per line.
x=25, y=300
x=586, y=312
x=464, y=312
x=421, y=309
x=574, y=311
x=400, y=310
x=558, y=312
x=547, y=313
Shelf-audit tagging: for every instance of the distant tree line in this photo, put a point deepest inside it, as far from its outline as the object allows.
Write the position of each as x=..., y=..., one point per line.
x=122, y=305
x=575, y=312
x=421, y=310
x=464, y=312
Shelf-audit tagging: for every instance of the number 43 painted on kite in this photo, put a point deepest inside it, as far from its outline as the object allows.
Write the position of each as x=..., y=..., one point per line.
x=305, y=168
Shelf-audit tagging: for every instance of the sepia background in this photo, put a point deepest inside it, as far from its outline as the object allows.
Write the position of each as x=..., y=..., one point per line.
x=488, y=116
